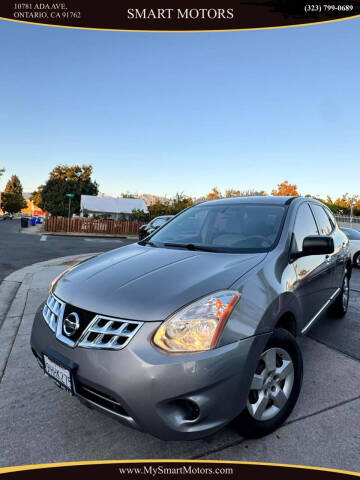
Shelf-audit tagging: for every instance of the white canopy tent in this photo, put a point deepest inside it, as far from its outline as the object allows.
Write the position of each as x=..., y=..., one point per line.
x=111, y=207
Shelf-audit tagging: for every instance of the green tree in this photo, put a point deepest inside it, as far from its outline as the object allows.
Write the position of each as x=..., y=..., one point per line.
x=12, y=203
x=14, y=186
x=65, y=179
x=159, y=208
x=129, y=195
x=36, y=197
x=170, y=206
x=72, y=173
x=179, y=203
x=12, y=199
x=244, y=193
x=140, y=215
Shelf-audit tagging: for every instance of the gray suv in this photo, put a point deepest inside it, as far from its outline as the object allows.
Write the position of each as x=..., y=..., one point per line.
x=195, y=326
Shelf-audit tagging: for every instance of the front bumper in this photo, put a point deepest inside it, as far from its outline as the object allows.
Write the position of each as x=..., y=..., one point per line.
x=173, y=397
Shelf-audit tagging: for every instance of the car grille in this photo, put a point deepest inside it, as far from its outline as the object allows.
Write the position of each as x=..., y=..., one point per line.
x=95, y=331
x=108, y=332
x=51, y=312
x=85, y=318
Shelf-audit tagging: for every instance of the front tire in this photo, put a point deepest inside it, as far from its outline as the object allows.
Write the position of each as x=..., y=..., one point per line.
x=340, y=305
x=275, y=387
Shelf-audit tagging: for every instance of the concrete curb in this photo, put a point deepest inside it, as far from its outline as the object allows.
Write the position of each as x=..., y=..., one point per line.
x=15, y=301
x=8, y=290
x=19, y=275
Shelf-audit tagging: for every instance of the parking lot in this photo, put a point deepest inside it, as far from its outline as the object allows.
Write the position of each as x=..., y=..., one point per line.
x=40, y=423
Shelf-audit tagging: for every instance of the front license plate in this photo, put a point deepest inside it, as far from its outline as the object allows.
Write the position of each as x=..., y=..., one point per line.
x=61, y=375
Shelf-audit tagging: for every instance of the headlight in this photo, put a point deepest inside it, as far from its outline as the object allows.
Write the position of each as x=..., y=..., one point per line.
x=197, y=326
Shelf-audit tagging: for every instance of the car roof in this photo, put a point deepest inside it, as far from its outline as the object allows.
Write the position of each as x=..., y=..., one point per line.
x=268, y=199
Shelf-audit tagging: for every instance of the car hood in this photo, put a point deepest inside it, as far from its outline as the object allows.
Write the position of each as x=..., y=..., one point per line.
x=148, y=283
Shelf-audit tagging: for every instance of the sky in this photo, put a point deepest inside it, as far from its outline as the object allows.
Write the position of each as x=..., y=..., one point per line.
x=163, y=113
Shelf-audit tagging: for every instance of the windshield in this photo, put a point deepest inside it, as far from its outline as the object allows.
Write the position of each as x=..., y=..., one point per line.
x=235, y=228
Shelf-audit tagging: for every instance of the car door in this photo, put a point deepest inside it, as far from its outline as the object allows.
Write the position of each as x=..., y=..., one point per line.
x=333, y=263
x=311, y=271
x=340, y=250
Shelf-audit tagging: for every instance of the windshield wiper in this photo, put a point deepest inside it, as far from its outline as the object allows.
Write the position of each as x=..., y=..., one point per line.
x=191, y=246
x=147, y=242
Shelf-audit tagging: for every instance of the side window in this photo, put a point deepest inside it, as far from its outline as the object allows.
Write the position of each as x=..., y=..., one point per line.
x=331, y=216
x=322, y=220
x=304, y=226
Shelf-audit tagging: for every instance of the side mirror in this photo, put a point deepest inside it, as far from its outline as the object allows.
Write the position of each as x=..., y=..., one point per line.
x=316, y=245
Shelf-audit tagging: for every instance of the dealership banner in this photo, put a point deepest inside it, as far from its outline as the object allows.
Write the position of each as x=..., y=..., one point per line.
x=174, y=469
x=163, y=16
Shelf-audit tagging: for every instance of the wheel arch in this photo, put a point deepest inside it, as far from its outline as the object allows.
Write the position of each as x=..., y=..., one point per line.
x=349, y=265
x=288, y=322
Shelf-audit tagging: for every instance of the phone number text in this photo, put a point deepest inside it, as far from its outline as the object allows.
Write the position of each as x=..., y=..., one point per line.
x=328, y=8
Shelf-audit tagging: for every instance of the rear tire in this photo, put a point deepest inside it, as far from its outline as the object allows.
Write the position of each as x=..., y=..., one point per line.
x=356, y=260
x=271, y=401
x=340, y=305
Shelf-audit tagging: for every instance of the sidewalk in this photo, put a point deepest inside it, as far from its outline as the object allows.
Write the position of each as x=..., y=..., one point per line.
x=37, y=229
x=21, y=293
x=40, y=423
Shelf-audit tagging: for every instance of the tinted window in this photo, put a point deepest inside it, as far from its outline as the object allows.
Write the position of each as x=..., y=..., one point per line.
x=226, y=227
x=322, y=220
x=352, y=234
x=304, y=226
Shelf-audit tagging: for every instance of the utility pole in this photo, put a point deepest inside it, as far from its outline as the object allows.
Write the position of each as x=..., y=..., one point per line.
x=70, y=196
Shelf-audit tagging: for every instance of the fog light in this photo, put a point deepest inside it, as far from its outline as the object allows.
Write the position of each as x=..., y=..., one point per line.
x=189, y=409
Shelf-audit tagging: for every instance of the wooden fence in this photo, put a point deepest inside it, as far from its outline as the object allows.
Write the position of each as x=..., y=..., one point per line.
x=91, y=225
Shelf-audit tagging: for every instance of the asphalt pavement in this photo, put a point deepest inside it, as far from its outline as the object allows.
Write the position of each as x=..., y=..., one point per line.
x=19, y=250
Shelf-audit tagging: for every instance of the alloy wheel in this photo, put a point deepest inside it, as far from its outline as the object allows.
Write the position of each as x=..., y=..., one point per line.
x=272, y=384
